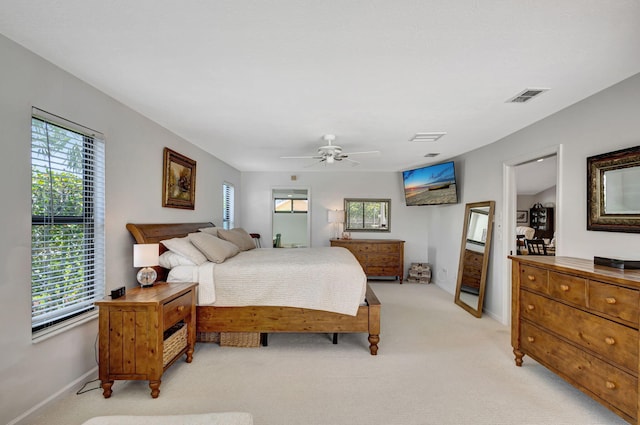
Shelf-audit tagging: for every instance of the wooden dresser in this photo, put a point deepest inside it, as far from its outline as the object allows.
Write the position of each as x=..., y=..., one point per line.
x=144, y=332
x=378, y=257
x=580, y=321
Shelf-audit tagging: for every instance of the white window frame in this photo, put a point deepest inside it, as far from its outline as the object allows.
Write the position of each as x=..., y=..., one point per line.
x=60, y=233
x=228, y=205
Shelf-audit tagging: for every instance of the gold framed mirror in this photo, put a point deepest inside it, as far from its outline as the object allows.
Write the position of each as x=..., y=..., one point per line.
x=613, y=192
x=474, y=256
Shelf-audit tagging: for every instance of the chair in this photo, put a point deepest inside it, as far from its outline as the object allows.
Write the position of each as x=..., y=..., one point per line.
x=256, y=239
x=536, y=247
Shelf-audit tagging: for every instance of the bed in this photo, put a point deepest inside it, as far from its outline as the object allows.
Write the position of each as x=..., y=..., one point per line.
x=270, y=318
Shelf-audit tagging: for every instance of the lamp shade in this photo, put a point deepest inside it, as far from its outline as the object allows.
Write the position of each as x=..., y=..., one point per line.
x=336, y=216
x=146, y=255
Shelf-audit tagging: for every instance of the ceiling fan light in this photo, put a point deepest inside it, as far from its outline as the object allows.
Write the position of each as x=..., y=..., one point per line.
x=330, y=159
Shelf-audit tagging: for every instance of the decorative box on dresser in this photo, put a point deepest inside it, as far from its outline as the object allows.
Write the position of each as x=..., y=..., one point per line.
x=580, y=320
x=378, y=257
x=144, y=332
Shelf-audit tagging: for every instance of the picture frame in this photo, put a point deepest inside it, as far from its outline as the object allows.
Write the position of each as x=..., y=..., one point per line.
x=522, y=217
x=178, y=181
x=613, y=191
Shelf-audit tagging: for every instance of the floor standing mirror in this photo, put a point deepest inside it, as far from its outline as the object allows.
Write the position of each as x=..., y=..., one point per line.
x=474, y=256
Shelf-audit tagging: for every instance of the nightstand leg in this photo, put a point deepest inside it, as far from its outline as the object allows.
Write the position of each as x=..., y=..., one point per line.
x=155, y=388
x=106, y=388
x=189, y=354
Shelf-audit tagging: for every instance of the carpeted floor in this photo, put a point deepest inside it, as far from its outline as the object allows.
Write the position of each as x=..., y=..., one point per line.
x=437, y=365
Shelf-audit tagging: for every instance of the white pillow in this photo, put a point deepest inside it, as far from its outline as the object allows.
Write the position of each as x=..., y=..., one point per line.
x=185, y=248
x=170, y=259
x=210, y=230
x=238, y=236
x=215, y=249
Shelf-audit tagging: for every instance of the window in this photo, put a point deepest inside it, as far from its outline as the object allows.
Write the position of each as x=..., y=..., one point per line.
x=367, y=215
x=290, y=205
x=227, y=205
x=67, y=221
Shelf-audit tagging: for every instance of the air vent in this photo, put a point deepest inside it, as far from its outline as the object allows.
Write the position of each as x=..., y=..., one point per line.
x=427, y=137
x=526, y=95
x=431, y=155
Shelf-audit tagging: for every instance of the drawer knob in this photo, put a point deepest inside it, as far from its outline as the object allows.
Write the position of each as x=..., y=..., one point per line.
x=531, y=277
x=610, y=385
x=609, y=340
x=530, y=339
x=180, y=308
x=531, y=307
x=610, y=300
x=565, y=288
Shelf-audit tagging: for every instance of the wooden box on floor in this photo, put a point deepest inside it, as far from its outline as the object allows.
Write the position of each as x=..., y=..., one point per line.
x=419, y=273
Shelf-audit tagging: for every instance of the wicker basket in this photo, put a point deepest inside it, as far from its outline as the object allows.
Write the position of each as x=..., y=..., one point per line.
x=208, y=337
x=175, y=343
x=239, y=339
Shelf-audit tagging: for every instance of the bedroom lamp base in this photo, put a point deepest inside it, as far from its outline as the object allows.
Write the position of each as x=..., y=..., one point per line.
x=146, y=277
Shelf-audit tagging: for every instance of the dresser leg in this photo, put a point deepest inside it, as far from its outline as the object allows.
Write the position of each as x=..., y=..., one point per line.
x=519, y=355
x=106, y=388
x=155, y=388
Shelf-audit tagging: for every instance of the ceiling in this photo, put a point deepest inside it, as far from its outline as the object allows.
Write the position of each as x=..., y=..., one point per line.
x=251, y=81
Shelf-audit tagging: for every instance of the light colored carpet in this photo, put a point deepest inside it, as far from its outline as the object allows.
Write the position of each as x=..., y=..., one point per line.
x=437, y=365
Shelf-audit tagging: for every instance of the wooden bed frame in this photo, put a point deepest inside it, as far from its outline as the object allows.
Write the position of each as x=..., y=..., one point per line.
x=266, y=319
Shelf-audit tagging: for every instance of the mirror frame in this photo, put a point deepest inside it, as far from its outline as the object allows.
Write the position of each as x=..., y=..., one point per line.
x=347, y=201
x=597, y=218
x=477, y=311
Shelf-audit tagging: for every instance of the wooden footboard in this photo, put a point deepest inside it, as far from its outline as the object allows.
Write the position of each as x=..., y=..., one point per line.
x=267, y=319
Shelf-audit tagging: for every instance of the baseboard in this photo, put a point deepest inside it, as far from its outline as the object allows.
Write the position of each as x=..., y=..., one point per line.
x=69, y=389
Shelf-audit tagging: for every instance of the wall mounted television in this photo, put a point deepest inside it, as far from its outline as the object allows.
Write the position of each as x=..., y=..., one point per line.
x=431, y=185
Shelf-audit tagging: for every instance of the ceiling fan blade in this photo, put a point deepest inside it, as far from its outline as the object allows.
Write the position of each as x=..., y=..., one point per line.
x=316, y=163
x=354, y=162
x=301, y=157
x=360, y=153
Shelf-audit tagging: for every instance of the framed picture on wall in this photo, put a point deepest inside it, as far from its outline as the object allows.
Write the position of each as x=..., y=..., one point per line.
x=178, y=181
x=522, y=217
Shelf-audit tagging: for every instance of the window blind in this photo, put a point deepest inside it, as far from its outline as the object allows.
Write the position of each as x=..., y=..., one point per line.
x=227, y=205
x=67, y=219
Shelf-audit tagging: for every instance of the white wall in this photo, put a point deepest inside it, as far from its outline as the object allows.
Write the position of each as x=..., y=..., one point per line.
x=30, y=373
x=327, y=192
x=604, y=122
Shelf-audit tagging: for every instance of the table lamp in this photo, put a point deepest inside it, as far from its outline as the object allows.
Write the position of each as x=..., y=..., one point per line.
x=336, y=217
x=146, y=256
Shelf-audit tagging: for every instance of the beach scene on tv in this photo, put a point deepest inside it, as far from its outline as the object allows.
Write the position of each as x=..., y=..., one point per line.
x=431, y=185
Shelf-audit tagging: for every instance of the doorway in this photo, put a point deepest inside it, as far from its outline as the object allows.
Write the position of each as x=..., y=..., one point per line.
x=290, y=213
x=512, y=169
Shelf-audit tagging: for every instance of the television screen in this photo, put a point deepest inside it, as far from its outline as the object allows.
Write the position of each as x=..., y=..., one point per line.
x=430, y=185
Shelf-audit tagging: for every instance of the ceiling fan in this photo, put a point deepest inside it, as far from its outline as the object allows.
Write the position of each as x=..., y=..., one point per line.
x=331, y=153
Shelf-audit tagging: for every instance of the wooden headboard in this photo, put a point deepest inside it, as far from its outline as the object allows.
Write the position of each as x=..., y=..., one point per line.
x=156, y=232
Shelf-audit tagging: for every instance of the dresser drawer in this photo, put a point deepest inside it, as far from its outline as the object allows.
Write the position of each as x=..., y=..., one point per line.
x=533, y=278
x=605, y=381
x=614, y=301
x=568, y=288
x=613, y=341
x=391, y=248
x=176, y=309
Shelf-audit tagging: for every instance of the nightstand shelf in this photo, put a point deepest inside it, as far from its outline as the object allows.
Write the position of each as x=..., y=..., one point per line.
x=144, y=332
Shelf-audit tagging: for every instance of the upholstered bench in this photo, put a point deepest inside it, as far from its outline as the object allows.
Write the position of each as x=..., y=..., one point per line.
x=224, y=418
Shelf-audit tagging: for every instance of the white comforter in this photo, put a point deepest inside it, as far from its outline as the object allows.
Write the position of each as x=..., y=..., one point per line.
x=329, y=279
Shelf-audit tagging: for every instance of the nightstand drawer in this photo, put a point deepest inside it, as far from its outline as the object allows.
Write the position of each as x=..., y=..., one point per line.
x=176, y=310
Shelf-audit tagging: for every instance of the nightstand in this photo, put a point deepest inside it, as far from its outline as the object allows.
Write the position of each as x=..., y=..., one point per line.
x=144, y=332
